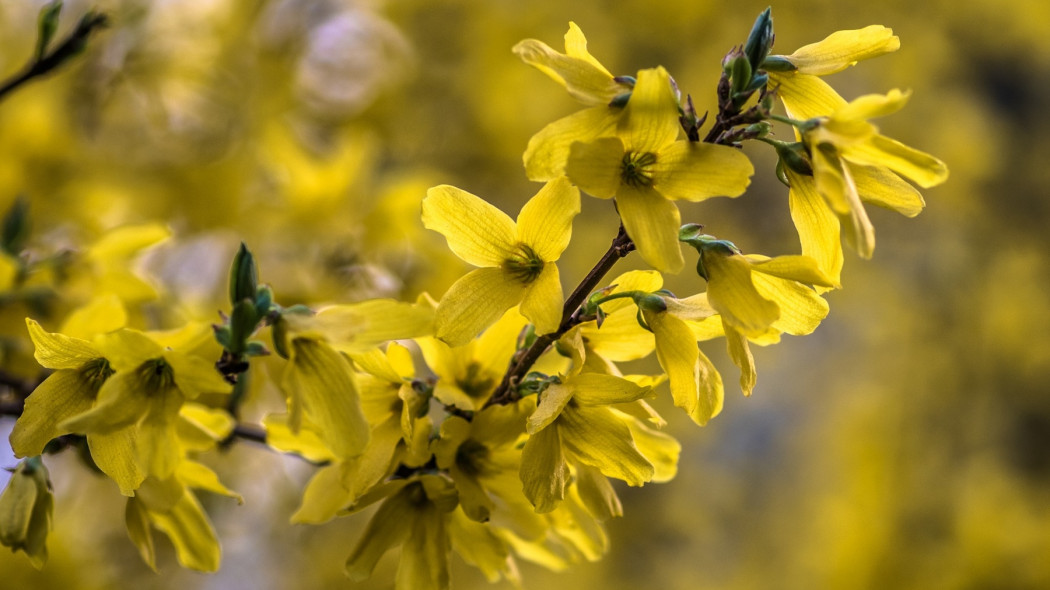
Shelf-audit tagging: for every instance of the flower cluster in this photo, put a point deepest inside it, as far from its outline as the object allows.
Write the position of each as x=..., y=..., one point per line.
x=491, y=422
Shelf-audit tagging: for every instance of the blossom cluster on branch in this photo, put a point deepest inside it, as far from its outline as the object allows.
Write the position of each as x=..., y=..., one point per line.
x=487, y=423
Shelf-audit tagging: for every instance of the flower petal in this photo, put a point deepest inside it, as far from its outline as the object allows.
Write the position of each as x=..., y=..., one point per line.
x=577, y=70
x=548, y=151
x=191, y=533
x=695, y=386
x=740, y=352
x=805, y=97
x=922, y=168
x=595, y=436
x=879, y=186
x=660, y=449
x=322, y=379
x=543, y=300
x=552, y=401
x=62, y=395
x=596, y=166
x=544, y=473
x=843, y=49
x=102, y=314
x=58, y=351
x=696, y=171
x=792, y=268
x=597, y=493
x=817, y=225
x=652, y=222
x=732, y=292
x=545, y=222
x=115, y=454
x=650, y=119
x=592, y=389
x=474, y=302
x=476, y=230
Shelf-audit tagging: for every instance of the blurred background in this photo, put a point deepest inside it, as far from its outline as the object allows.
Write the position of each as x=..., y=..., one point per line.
x=905, y=444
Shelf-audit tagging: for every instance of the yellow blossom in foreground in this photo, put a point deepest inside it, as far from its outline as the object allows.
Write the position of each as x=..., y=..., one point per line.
x=26, y=505
x=517, y=258
x=644, y=168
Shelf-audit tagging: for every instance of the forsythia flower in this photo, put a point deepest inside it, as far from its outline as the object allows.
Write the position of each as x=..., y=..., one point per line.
x=644, y=168
x=852, y=162
x=517, y=258
x=147, y=391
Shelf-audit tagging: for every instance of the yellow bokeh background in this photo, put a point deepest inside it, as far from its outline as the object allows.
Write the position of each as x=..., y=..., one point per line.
x=905, y=444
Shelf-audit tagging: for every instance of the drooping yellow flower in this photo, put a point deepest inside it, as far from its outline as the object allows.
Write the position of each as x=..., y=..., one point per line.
x=517, y=259
x=577, y=70
x=852, y=163
x=796, y=77
x=573, y=423
x=644, y=168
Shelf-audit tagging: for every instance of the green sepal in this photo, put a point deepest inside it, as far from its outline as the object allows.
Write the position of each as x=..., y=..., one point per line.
x=263, y=300
x=222, y=335
x=256, y=348
x=242, y=325
x=778, y=63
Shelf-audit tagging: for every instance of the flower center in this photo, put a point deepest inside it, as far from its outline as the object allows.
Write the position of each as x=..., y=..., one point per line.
x=96, y=371
x=156, y=375
x=634, y=169
x=524, y=265
x=472, y=458
x=475, y=382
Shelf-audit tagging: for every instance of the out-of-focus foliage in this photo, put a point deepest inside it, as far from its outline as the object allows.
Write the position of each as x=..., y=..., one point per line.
x=904, y=444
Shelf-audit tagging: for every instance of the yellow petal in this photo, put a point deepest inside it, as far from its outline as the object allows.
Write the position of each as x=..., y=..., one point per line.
x=387, y=527
x=195, y=376
x=697, y=171
x=124, y=241
x=732, y=292
x=548, y=150
x=871, y=106
x=115, y=454
x=127, y=349
x=480, y=547
x=579, y=72
x=545, y=222
x=121, y=402
x=843, y=49
x=881, y=187
x=740, y=352
x=544, y=473
x=492, y=351
x=58, y=351
x=801, y=308
x=362, y=326
x=322, y=379
x=199, y=476
x=306, y=442
x=136, y=519
x=543, y=300
x=620, y=338
x=922, y=168
x=62, y=395
x=476, y=231
x=191, y=533
x=424, y=563
x=158, y=451
x=596, y=166
x=102, y=314
x=660, y=449
x=817, y=226
x=695, y=386
x=591, y=389
x=204, y=426
x=474, y=302
x=650, y=120
x=597, y=493
x=793, y=268
x=652, y=222
x=805, y=97
x=595, y=436
x=552, y=401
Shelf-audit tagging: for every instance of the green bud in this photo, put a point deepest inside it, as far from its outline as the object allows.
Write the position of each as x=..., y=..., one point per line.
x=256, y=348
x=706, y=245
x=242, y=324
x=15, y=229
x=760, y=41
x=222, y=335
x=263, y=301
x=760, y=129
x=25, y=511
x=47, y=24
x=279, y=332
x=243, y=278
x=651, y=302
x=620, y=100
x=739, y=73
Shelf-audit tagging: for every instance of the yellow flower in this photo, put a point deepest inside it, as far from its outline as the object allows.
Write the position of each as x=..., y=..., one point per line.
x=573, y=423
x=644, y=168
x=577, y=70
x=517, y=258
x=145, y=395
x=852, y=163
x=796, y=77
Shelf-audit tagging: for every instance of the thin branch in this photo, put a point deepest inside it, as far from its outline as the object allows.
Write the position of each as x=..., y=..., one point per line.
x=520, y=365
x=62, y=52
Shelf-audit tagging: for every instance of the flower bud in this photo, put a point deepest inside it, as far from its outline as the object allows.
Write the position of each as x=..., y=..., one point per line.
x=25, y=511
x=243, y=278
